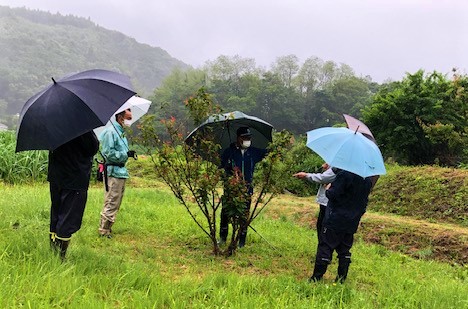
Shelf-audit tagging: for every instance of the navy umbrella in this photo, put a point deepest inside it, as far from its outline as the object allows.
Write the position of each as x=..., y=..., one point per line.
x=70, y=107
x=222, y=129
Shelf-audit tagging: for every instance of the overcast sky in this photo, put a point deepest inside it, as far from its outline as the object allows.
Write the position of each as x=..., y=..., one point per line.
x=380, y=38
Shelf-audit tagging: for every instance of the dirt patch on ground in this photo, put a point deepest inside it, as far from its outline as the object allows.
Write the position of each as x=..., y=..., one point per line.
x=417, y=238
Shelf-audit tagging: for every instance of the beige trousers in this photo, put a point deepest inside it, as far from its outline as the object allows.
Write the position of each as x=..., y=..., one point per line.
x=112, y=202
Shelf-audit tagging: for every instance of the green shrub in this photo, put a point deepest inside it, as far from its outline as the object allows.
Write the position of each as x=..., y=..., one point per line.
x=22, y=167
x=301, y=159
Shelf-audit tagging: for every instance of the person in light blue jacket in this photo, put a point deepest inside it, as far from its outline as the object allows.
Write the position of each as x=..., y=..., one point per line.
x=115, y=151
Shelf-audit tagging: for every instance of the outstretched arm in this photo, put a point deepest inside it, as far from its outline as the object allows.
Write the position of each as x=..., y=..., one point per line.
x=322, y=178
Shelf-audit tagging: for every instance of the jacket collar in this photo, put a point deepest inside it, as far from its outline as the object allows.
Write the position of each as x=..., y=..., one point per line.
x=118, y=127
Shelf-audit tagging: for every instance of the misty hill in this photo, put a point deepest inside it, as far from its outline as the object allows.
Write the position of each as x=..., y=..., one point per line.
x=37, y=45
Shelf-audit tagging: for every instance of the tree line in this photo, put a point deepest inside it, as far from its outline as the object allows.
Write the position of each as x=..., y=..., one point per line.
x=421, y=119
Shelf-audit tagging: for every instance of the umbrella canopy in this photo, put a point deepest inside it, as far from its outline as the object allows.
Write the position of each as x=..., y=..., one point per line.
x=70, y=107
x=348, y=150
x=139, y=107
x=223, y=128
x=357, y=125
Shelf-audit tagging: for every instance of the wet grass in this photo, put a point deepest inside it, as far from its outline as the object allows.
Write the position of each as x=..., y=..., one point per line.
x=159, y=258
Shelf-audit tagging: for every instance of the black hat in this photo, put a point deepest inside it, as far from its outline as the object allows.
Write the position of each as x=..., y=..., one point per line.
x=244, y=131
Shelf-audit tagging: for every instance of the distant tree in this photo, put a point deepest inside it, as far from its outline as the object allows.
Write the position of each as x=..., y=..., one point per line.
x=278, y=104
x=230, y=68
x=345, y=95
x=422, y=119
x=286, y=67
x=308, y=76
x=168, y=99
x=233, y=82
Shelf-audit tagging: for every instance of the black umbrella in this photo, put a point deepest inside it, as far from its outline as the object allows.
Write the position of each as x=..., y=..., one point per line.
x=222, y=128
x=70, y=107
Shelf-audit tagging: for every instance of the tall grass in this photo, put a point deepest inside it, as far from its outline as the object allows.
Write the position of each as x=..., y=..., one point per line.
x=159, y=258
x=22, y=167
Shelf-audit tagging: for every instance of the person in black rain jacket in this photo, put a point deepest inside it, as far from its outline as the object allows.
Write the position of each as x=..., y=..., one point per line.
x=347, y=202
x=69, y=172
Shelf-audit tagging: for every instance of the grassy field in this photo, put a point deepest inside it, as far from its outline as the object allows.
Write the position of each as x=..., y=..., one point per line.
x=159, y=258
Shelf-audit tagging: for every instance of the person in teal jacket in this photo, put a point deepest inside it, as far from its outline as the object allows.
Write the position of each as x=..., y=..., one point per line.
x=115, y=151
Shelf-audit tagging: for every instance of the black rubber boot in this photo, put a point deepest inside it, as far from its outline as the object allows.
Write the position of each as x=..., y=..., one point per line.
x=342, y=272
x=319, y=271
x=63, y=245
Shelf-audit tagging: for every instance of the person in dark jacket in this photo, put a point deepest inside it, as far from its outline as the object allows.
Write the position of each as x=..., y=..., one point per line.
x=69, y=172
x=239, y=160
x=347, y=202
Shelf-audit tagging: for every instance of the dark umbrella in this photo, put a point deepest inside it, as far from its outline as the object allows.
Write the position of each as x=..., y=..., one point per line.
x=223, y=127
x=70, y=107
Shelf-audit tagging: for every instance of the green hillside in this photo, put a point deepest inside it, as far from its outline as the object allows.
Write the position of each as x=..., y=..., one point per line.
x=36, y=46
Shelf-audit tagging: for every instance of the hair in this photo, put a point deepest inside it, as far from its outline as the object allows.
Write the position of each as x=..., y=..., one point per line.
x=122, y=113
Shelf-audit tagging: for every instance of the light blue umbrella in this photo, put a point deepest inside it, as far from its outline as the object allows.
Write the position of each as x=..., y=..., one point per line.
x=348, y=150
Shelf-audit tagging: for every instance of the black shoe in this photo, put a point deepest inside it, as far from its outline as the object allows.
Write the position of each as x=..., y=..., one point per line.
x=315, y=279
x=319, y=271
x=342, y=272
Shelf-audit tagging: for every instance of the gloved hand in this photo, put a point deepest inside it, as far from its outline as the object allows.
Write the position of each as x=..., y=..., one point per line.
x=132, y=154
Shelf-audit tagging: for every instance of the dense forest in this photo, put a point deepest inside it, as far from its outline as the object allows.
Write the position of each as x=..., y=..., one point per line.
x=36, y=46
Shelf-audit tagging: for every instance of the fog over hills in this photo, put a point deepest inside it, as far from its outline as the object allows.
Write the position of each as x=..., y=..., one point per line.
x=36, y=46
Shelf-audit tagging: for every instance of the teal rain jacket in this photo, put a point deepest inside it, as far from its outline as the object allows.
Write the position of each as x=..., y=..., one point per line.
x=114, y=147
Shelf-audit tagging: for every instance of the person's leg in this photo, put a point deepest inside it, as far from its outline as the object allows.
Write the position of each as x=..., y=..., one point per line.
x=223, y=226
x=71, y=212
x=344, y=256
x=54, y=211
x=327, y=243
x=320, y=217
x=112, y=202
x=244, y=224
x=73, y=203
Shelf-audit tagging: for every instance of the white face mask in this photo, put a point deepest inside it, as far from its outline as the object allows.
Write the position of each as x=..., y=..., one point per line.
x=246, y=144
x=127, y=122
